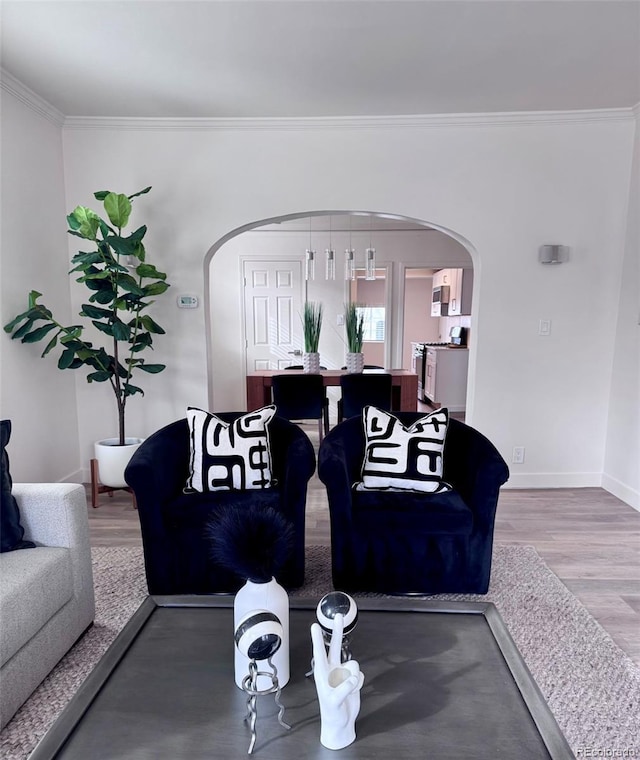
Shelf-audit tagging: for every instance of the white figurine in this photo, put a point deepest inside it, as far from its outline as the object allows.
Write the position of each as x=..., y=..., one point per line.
x=338, y=685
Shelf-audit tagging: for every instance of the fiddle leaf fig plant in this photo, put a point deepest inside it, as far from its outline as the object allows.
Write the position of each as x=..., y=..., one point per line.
x=122, y=285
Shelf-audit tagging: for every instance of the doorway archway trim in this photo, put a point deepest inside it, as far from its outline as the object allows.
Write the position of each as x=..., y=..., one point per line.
x=322, y=213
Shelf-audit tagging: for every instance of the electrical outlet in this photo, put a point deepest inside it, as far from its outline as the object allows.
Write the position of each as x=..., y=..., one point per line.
x=518, y=455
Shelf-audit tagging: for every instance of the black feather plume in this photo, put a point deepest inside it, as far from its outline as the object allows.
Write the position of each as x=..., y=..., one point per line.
x=252, y=542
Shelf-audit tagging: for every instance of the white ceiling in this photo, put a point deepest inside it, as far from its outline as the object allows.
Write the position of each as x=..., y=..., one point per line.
x=299, y=58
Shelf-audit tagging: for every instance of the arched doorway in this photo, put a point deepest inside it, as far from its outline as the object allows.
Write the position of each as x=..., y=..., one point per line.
x=403, y=245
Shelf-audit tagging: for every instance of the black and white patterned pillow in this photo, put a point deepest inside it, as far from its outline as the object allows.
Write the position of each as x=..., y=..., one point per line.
x=397, y=458
x=227, y=456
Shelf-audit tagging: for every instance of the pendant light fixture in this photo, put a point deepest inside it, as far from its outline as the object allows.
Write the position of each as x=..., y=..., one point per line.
x=310, y=259
x=330, y=258
x=349, y=259
x=370, y=256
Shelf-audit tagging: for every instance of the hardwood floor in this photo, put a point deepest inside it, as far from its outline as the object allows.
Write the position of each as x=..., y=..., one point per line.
x=589, y=538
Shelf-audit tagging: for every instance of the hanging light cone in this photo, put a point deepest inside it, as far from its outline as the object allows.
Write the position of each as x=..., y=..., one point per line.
x=349, y=264
x=330, y=264
x=370, y=264
x=310, y=265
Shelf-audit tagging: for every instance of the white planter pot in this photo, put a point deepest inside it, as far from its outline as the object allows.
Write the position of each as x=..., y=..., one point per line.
x=113, y=460
x=311, y=363
x=355, y=362
x=273, y=598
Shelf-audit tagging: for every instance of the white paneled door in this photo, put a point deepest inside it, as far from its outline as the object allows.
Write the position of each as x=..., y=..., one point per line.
x=272, y=308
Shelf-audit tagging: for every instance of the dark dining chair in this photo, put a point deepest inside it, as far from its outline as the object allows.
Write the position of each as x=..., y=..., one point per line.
x=367, y=366
x=300, y=366
x=362, y=389
x=301, y=397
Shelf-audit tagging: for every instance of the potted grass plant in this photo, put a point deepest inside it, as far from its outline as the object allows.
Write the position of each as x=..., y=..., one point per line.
x=311, y=326
x=121, y=284
x=354, y=327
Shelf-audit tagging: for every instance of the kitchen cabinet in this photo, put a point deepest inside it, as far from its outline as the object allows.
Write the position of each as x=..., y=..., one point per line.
x=458, y=297
x=442, y=277
x=441, y=284
x=461, y=292
x=445, y=377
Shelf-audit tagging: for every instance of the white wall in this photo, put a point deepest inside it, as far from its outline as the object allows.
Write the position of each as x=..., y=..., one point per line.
x=622, y=461
x=37, y=397
x=506, y=189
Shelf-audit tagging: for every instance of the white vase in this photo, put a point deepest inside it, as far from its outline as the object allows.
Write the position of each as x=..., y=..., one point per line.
x=355, y=362
x=311, y=363
x=113, y=459
x=263, y=596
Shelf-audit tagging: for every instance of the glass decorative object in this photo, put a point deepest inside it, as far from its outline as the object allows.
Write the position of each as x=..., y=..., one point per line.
x=338, y=603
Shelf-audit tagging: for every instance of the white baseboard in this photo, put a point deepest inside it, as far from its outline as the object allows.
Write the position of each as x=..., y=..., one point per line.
x=75, y=477
x=622, y=491
x=554, y=480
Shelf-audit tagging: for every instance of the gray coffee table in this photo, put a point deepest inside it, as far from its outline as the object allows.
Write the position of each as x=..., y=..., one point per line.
x=442, y=680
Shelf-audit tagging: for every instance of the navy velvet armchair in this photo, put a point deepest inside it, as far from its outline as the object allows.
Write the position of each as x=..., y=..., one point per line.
x=407, y=542
x=177, y=550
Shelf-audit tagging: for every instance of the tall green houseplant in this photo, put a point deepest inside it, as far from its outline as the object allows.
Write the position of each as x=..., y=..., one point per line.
x=122, y=285
x=312, y=324
x=354, y=326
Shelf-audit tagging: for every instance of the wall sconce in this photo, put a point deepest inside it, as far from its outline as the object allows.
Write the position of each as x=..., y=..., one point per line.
x=553, y=254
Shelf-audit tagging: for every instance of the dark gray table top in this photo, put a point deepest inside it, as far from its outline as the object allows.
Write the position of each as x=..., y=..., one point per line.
x=441, y=681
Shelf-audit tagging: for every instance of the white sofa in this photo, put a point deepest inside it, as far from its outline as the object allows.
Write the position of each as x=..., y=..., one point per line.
x=46, y=593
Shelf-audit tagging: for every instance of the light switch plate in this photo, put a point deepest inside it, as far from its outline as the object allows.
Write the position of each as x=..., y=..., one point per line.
x=544, y=328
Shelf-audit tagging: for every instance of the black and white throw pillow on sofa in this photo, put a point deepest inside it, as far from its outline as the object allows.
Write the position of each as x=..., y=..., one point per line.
x=233, y=456
x=398, y=458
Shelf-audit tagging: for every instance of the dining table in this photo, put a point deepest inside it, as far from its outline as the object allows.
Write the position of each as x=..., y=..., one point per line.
x=404, y=386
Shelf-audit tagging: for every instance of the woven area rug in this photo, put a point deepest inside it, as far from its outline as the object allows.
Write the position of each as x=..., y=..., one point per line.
x=591, y=686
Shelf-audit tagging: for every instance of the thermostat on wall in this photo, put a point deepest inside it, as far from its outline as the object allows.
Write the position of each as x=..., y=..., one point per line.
x=187, y=302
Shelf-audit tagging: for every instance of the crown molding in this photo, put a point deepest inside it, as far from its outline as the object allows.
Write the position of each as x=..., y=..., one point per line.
x=31, y=99
x=425, y=121
x=524, y=118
